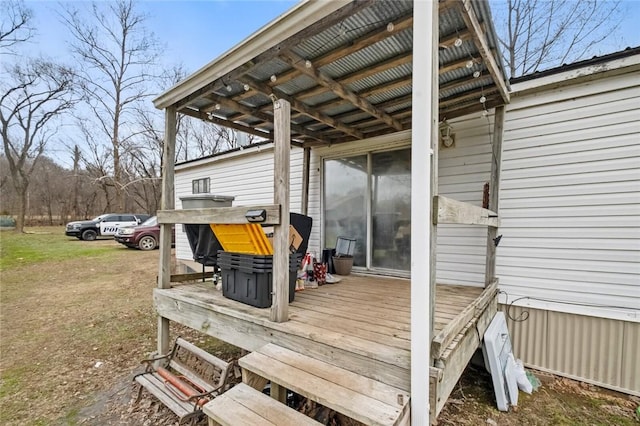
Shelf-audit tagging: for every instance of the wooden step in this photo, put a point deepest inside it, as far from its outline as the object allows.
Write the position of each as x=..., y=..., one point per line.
x=363, y=399
x=244, y=406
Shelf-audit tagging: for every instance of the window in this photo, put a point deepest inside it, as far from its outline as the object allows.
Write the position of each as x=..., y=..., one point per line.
x=127, y=218
x=200, y=186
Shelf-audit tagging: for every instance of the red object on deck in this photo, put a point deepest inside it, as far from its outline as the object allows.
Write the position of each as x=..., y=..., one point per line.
x=179, y=384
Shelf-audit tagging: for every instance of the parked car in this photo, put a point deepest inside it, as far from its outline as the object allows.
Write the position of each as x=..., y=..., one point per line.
x=103, y=225
x=144, y=236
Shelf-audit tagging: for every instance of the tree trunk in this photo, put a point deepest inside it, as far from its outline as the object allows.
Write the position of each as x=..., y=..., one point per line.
x=21, y=191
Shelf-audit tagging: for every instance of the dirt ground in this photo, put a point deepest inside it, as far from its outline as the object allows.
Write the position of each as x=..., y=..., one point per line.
x=73, y=333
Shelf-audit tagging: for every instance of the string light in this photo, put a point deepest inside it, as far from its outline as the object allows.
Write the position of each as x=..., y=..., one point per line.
x=458, y=42
x=217, y=106
x=485, y=113
x=229, y=88
x=469, y=64
x=246, y=87
x=273, y=78
x=476, y=74
x=483, y=99
x=390, y=27
x=308, y=63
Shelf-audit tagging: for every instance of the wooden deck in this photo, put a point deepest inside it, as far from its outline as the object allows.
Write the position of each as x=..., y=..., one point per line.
x=361, y=324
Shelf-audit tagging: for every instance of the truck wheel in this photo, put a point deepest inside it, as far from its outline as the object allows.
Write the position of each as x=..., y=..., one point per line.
x=89, y=235
x=147, y=243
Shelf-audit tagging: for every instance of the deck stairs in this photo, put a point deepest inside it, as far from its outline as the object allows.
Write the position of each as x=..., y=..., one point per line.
x=353, y=395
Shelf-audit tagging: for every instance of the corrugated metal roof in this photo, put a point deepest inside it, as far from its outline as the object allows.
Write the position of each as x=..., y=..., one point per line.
x=341, y=35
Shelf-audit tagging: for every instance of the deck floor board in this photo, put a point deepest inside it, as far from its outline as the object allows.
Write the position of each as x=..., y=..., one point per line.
x=365, y=315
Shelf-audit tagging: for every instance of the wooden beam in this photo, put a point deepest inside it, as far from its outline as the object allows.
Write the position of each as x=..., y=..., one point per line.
x=315, y=28
x=222, y=122
x=464, y=81
x=449, y=40
x=281, y=175
x=494, y=192
x=469, y=107
x=474, y=94
x=424, y=125
x=360, y=43
x=167, y=201
x=447, y=210
x=393, y=62
x=306, y=167
x=480, y=40
x=309, y=69
x=232, y=215
x=302, y=107
x=254, y=112
x=452, y=66
x=404, y=81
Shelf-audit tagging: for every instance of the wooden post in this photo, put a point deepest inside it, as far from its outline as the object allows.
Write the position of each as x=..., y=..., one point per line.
x=306, y=165
x=424, y=121
x=494, y=192
x=282, y=152
x=167, y=202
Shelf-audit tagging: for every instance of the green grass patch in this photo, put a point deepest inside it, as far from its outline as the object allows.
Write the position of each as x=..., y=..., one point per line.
x=44, y=244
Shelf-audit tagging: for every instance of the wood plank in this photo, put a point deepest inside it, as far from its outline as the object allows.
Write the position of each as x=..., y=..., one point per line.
x=323, y=391
x=232, y=215
x=281, y=196
x=248, y=402
x=446, y=336
x=155, y=386
x=307, y=67
x=202, y=354
x=193, y=378
x=447, y=210
x=251, y=332
x=480, y=40
x=339, y=376
x=193, y=276
x=254, y=380
x=494, y=192
x=227, y=412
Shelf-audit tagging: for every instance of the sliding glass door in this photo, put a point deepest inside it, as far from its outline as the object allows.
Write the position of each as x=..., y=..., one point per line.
x=345, y=203
x=368, y=197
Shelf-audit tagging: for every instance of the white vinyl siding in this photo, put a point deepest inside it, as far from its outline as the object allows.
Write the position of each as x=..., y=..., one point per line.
x=248, y=176
x=570, y=198
x=463, y=171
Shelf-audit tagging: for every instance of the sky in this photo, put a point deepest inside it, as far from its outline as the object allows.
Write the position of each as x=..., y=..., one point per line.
x=194, y=33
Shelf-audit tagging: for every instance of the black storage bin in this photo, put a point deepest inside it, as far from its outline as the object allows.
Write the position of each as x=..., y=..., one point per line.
x=248, y=278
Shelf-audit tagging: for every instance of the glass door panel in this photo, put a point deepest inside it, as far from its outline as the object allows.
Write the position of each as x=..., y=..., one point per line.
x=391, y=210
x=345, y=204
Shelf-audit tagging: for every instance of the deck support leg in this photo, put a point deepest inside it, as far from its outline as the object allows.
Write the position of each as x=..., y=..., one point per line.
x=167, y=202
x=424, y=170
x=252, y=379
x=282, y=141
x=278, y=393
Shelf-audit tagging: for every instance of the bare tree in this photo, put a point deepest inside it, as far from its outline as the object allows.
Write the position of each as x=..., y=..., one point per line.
x=118, y=55
x=14, y=25
x=32, y=97
x=539, y=34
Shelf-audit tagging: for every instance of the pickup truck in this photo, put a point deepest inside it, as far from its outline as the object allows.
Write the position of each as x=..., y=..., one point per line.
x=103, y=225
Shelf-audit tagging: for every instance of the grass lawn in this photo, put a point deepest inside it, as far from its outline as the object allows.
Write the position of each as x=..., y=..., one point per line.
x=76, y=318
x=67, y=306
